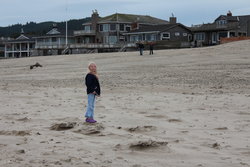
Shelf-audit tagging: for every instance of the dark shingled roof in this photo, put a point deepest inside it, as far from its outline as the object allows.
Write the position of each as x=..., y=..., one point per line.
x=244, y=21
x=130, y=18
x=228, y=18
x=159, y=28
x=215, y=27
x=233, y=22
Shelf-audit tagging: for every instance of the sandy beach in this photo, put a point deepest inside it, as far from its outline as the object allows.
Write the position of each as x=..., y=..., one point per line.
x=176, y=108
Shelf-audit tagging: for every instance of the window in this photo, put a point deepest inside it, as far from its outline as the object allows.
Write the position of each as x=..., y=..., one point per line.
x=128, y=28
x=222, y=34
x=199, y=36
x=87, y=40
x=87, y=28
x=112, y=39
x=134, y=38
x=177, y=34
x=150, y=37
x=221, y=22
x=101, y=28
x=54, y=39
x=165, y=36
x=184, y=34
x=140, y=37
x=153, y=37
x=112, y=27
x=122, y=27
x=105, y=27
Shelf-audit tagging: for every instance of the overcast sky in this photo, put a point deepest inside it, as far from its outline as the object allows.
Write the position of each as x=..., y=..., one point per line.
x=188, y=12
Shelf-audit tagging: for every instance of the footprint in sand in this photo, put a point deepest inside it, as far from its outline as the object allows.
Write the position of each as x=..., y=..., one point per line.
x=25, y=119
x=174, y=120
x=221, y=128
x=141, y=129
x=156, y=116
x=15, y=133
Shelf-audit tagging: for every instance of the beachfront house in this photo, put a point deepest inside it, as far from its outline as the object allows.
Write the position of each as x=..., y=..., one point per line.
x=22, y=46
x=53, y=42
x=3, y=40
x=225, y=26
x=171, y=35
x=107, y=33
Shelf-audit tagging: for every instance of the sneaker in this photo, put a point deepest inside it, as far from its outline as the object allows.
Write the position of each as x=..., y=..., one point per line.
x=90, y=120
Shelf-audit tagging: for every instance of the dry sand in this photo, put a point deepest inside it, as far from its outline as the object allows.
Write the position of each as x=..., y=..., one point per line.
x=188, y=108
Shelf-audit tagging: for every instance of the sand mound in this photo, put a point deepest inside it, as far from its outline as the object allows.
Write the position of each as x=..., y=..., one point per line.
x=63, y=126
x=147, y=144
x=90, y=129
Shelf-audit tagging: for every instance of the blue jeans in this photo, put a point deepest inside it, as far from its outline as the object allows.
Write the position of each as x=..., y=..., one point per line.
x=90, y=106
x=141, y=51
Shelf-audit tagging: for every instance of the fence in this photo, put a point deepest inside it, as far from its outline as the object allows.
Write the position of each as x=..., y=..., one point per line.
x=232, y=39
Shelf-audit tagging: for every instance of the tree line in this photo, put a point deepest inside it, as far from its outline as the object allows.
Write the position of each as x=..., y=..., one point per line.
x=38, y=29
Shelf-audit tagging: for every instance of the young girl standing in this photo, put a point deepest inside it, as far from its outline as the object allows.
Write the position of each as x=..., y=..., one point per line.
x=93, y=90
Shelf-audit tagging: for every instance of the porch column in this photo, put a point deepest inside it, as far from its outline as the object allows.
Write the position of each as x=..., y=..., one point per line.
x=20, y=52
x=28, y=49
x=13, y=50
x=5, y=50
x=228, y=34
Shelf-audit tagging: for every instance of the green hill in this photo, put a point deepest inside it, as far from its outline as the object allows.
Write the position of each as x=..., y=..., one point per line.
x=38, y=29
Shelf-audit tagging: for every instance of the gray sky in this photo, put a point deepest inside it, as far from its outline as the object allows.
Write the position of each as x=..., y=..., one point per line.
x=187, y=11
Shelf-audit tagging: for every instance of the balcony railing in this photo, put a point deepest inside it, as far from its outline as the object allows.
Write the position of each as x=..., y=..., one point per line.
x=101, y=46
x=84, y=32
x=48, y=46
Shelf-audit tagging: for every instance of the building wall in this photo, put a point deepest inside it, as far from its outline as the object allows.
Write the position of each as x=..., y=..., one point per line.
x=248, y=28
x=175, y=34
x=112, y=36
x=17, y=50
x=179, y=34
x=53, y=41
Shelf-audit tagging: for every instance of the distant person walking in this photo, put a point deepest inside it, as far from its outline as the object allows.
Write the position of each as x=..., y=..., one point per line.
x=141, y=47
x=93, y=91
x=151, y=48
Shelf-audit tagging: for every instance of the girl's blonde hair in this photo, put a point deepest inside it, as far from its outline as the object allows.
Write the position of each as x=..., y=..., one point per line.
x=90, y=64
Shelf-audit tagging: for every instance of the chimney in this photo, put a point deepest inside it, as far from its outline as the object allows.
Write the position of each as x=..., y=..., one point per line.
x=172, y=19
x=94, y=19
x=229, y=13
